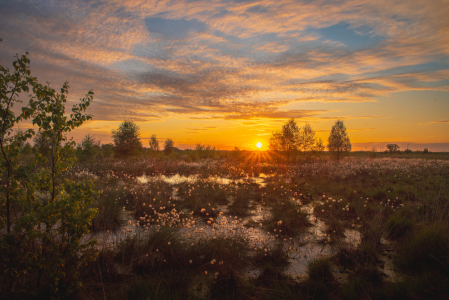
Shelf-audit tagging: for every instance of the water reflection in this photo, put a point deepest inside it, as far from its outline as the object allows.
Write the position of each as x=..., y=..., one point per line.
x=308, y=245
x=178, y=179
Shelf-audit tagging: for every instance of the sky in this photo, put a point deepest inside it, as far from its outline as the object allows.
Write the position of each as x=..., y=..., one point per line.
x=229, y=73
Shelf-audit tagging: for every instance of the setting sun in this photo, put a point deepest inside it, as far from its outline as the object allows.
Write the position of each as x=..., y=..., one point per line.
x=259, y=145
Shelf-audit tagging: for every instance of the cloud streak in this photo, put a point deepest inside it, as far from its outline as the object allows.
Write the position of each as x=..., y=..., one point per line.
x=230, y=60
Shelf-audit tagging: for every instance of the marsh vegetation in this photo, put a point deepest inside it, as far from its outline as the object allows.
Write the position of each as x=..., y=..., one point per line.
x=354, y=228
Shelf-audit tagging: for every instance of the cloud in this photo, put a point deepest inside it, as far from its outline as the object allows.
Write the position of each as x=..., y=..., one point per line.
x=242, y=60
x=348, y=117
x=257, y=9
x=297, y=114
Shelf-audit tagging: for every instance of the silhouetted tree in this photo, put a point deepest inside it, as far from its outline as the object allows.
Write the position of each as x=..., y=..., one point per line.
x=319, y=146
x=392, y=148
x=204, y=151
x=89, y=148
x=287, y=140
x=154, y=143
x=275, y=142
x=338, y=140
x=107, y=150
x=307, y=138
x=168, y=146
x=126, y=139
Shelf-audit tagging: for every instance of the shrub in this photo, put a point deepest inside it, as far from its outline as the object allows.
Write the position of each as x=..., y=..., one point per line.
x=43, y=214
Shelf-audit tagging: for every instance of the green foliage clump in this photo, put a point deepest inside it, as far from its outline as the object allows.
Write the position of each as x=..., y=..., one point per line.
x=43, y=215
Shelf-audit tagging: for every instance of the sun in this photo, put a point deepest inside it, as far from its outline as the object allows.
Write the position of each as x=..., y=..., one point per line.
x=259, y=145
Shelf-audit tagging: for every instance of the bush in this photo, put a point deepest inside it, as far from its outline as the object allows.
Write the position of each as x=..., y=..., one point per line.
x=43, y=214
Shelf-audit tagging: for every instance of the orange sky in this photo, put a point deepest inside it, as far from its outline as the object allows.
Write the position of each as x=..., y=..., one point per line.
x=228, y=73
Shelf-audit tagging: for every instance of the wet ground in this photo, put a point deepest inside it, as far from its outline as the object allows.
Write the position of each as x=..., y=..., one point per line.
x=308, y=245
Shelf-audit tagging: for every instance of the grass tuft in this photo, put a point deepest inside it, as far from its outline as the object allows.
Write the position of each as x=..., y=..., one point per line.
x=320, y=270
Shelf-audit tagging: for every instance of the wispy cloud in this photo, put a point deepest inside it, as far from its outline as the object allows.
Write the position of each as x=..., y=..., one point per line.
x=231, y=60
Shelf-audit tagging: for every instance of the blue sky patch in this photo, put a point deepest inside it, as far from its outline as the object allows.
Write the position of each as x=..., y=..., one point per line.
x=352, y=37
x=175, y=28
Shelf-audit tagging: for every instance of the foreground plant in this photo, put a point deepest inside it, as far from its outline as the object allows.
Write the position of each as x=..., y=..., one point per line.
x=42, y=215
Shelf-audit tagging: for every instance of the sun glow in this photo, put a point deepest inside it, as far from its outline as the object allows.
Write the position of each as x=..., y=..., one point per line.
x=259, y=145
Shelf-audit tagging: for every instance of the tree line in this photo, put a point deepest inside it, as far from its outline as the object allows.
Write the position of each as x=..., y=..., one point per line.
x=292, y=139
x=289, y=141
